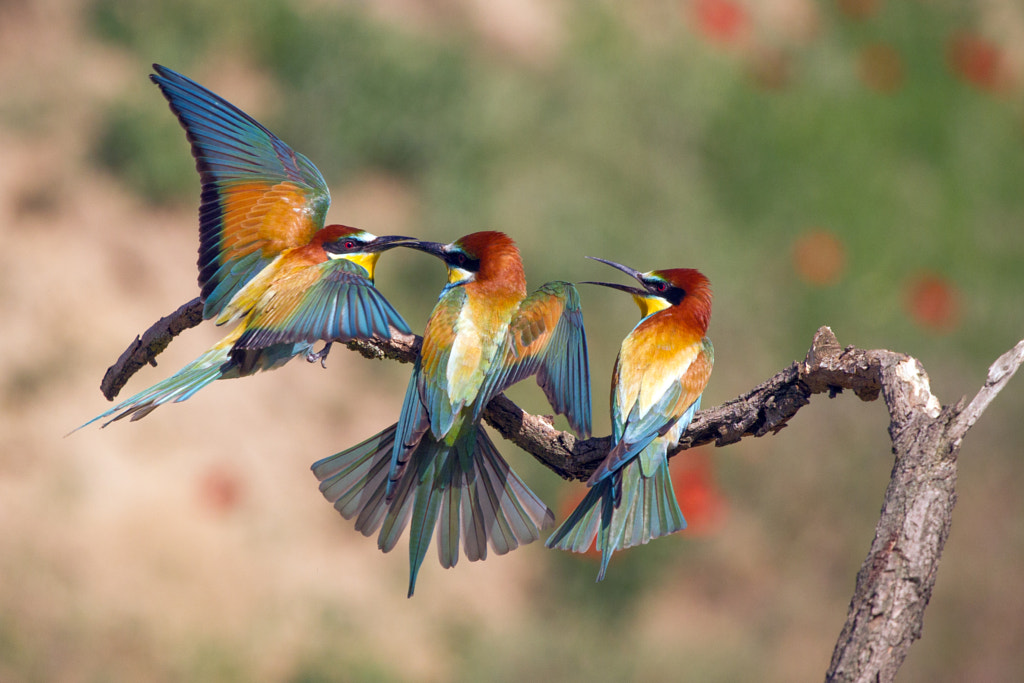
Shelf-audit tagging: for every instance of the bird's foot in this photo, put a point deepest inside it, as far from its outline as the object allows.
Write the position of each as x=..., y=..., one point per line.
x=321, y=355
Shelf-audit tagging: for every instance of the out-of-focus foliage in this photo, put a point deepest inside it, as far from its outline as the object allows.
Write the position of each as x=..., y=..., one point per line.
x=632, y=146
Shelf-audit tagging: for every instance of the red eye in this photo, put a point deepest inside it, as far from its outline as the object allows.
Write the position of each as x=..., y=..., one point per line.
x=350, y=244
x=661, y=286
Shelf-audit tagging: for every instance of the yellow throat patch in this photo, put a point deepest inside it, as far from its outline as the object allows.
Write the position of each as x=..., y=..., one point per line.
x=650, y=304
x=367, y=261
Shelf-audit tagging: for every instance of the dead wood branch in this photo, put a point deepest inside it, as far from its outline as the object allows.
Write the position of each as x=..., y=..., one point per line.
x=894, y=583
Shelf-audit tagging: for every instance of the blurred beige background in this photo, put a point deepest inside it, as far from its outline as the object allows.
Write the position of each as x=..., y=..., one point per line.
x=193, y=545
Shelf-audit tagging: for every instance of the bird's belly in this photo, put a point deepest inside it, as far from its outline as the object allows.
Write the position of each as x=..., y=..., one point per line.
x=470, y=359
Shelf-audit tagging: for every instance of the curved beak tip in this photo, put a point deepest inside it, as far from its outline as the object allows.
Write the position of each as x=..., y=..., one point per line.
x=635, y=274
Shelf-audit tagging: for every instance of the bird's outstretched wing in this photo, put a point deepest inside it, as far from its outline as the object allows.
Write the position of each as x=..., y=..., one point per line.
x=546, y=338
x=259, y=196
x=333, y=301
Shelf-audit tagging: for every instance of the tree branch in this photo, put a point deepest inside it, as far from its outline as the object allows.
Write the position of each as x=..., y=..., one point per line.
x=998, y=375
x=146, y=348
x=894, y=583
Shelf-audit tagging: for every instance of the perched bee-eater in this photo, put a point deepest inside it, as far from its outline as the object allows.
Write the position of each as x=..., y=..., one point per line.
x=437, y=467
x=265, y=257
x=659, y=376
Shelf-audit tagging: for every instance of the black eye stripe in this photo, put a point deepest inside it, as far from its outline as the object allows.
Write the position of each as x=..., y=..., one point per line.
x=669, y=292
x=463, y=261
x=344, y=246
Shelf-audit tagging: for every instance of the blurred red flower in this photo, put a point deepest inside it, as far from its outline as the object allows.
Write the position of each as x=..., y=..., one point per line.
x=819, y=258
x=220, y=489
x=933, y=302
x=699, y=497
x=977, y=61
x=721, y=21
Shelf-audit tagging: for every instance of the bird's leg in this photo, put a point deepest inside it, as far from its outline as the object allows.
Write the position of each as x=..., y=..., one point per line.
x=321, y=355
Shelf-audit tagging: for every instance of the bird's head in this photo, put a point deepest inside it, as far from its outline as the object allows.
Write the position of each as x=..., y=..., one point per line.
x=485, y=257
x=358, y=246
x=684, y=289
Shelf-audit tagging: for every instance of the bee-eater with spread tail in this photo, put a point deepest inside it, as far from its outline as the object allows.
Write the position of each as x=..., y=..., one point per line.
x=266, y=259
x=660, y=374
x=437, y=467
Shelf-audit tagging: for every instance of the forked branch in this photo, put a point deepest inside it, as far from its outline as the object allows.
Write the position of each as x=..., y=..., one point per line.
x=894, y=583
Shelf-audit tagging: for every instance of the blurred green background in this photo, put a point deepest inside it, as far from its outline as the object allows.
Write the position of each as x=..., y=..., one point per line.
x=852, y=163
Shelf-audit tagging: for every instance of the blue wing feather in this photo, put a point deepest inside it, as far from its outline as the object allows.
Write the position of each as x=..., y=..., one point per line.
x=341, y=305
x=560, y=362
x=231, y=148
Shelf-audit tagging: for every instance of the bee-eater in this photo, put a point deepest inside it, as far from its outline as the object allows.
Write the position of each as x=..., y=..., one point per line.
x=437, y=467
x=266, y=258
x=660, y=374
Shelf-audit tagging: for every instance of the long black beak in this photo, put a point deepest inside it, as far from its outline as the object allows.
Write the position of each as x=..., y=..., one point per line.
x=385, y=242
x=435, y=248
x=635, y=274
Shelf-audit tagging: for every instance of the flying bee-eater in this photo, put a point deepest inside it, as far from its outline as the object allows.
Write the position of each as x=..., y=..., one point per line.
x=660, y=374
x=437, y=467
x=266, y=259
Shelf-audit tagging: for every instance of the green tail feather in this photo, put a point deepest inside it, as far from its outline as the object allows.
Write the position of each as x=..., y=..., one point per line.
x=647, y=508
x=178, y=387
x=466, y=491
x=399, y=509
x=425, y=508
x=591, y=519
x=354, y=480
x=221, y=361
